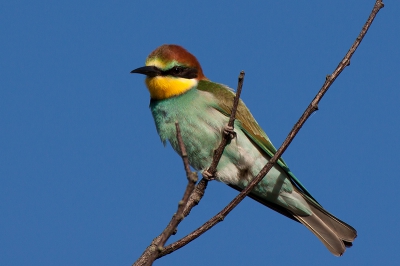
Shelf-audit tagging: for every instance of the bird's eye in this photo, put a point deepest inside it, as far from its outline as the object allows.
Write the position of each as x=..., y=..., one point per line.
x=182, y=72
x=176, y=70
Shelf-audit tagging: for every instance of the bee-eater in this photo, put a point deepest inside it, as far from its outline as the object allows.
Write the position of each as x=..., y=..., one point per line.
x=179, y=91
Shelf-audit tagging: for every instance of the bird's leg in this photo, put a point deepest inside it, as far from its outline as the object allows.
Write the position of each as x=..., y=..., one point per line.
x=207, y=175
x=228, y=131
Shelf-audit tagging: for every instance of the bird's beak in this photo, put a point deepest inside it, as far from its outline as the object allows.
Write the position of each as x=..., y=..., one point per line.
x=150, y=71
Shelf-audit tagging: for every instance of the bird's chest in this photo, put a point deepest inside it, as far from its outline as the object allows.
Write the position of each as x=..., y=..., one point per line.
x=200, y=125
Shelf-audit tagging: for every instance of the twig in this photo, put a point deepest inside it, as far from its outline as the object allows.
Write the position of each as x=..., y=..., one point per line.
x=220, y=150
x=193, y=194
x=202, y=185
x=157, y=245
x=307, y=113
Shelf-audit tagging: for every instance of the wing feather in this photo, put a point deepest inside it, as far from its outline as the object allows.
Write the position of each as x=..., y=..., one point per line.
x=248, y=125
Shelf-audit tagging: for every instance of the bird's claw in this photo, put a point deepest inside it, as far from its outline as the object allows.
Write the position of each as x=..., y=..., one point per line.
x=228, y=130
x=207, y=175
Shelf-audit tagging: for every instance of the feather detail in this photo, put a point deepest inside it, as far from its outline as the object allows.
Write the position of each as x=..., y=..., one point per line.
x=335, y=234
x=248, y=124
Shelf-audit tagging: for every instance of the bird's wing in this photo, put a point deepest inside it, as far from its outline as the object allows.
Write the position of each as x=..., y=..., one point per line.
x=248, y=124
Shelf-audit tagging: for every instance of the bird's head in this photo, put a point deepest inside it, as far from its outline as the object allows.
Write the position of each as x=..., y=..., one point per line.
x=170, y=70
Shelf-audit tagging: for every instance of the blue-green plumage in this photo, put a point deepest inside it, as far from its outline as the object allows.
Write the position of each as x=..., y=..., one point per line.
x=180, y=92
x=201, y=124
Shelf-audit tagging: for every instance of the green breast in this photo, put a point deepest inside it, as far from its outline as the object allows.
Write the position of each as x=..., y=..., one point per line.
x=199, y=121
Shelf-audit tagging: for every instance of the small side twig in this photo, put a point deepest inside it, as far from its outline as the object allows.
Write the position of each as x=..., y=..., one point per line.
x=226, y=137
x=193, y=194
x=202, y=185
x=157, y=245
x=313, y=106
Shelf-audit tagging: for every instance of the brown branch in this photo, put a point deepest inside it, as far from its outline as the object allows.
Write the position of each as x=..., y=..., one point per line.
x=196, y=196
x=307, y=113
x=157, y=245
x=202, y=185
x=227, y=137
x=193, y=194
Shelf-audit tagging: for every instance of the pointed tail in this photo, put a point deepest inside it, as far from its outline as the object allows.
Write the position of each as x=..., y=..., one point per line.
x=335, y=234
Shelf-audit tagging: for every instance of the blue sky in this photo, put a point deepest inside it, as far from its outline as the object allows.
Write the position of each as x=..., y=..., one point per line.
x=85, y=180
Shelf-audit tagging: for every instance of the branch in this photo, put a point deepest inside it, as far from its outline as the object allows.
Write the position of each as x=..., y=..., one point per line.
x=202, y=185
x=193, y=194
x=157, y=245
x=227, y=137
x=307, y=113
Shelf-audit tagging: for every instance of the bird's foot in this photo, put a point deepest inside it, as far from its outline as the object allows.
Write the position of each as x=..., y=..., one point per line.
x=228, y=131
x=207, y=175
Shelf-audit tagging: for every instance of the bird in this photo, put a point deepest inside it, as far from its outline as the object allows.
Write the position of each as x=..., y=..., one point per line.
x=179, y=91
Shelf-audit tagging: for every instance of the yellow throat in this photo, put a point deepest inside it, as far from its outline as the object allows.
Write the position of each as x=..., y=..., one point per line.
x=164, y=87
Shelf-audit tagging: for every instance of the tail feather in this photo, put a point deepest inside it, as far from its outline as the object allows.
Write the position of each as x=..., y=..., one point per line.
x=335, y=234
x=344, y=231
x=324, y=233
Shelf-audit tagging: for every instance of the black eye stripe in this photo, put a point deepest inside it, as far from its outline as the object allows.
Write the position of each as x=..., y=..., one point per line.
x=181, y=72
x=176, y=70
